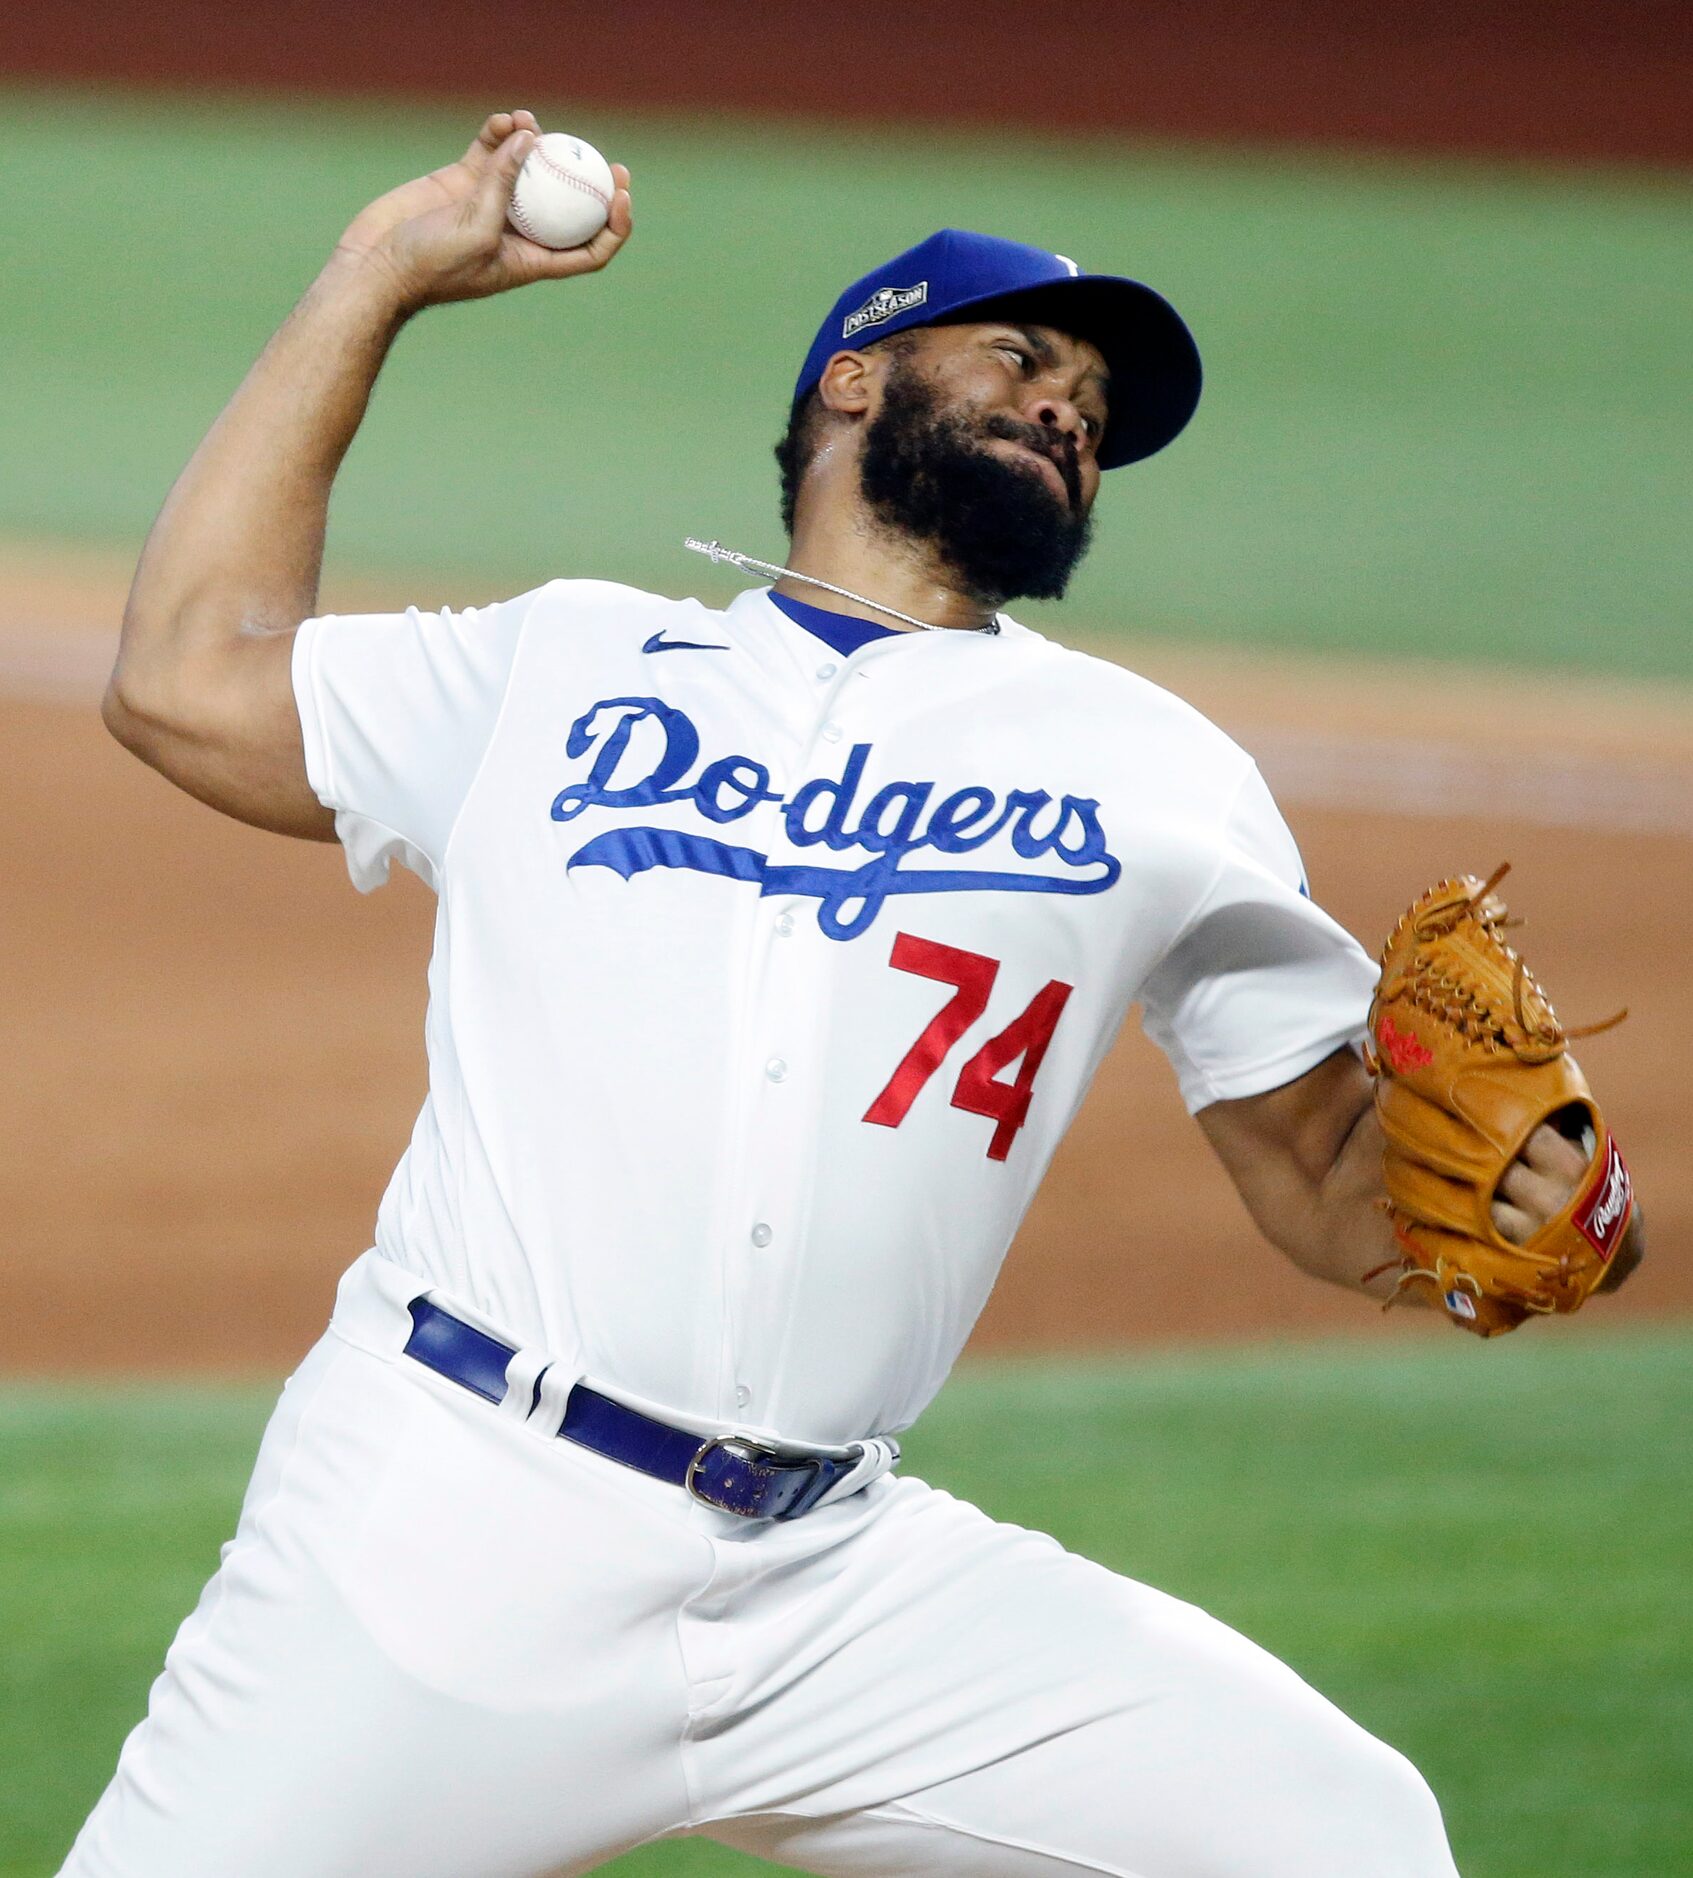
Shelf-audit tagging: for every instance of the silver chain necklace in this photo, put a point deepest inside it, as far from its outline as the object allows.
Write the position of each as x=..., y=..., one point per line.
x=715, y=551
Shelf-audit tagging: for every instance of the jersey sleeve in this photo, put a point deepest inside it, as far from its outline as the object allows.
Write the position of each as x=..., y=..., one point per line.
x=397, y=711
x=1261, y=984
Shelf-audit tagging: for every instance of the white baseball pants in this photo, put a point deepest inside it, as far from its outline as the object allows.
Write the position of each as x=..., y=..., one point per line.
x=445, y=1644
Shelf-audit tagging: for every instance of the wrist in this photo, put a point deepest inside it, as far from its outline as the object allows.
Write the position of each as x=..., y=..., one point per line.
x=366, y=284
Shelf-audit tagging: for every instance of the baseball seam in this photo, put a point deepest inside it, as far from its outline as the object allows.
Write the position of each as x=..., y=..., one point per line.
x=570, y=176
x=515, y=214
x=520, y=221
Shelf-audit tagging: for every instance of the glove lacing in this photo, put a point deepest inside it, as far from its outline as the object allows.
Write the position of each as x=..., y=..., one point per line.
x=1473, y=1011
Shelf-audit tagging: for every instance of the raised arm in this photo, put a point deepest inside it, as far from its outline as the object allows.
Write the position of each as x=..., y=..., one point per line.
x=201, y=689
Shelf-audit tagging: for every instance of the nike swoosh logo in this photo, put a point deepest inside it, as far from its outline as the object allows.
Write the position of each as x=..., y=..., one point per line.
x=658, y=643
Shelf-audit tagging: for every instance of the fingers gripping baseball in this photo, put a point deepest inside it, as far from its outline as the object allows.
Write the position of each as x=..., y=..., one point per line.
x=545, y=263
x=445, y=236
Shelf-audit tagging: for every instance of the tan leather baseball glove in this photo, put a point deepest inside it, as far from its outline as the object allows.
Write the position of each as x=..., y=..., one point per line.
x=1469, y=1059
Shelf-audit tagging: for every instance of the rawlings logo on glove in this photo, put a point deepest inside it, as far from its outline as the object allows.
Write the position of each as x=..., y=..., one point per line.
x=1603, y=1217
x=1469, y=1060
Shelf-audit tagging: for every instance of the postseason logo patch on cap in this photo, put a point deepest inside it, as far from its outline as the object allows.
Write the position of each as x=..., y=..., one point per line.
x=883, y=304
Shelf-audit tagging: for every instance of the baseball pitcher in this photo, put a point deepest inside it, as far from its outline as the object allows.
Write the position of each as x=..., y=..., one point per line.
x=775, y=949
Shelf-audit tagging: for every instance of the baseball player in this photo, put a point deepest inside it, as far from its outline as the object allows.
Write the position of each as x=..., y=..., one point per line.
x=775, y=949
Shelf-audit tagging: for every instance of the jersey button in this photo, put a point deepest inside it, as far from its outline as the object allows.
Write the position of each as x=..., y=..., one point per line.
x=831, y=733
x=743, y=1395
x=785, y=926
x=826, y=672
x=761, y=1235
x=776, y=1069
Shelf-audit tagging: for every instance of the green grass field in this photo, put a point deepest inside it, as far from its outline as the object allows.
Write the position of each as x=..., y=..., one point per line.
x=1480, y=1552
x=1446, y=407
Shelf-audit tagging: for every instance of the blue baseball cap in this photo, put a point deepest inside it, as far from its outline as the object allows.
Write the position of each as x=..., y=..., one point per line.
x=1154, y=364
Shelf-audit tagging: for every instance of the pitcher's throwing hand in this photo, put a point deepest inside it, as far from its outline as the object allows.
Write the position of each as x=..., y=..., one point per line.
x=447, y=235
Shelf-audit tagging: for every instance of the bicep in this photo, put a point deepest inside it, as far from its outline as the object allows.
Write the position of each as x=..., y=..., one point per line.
x=226, y=729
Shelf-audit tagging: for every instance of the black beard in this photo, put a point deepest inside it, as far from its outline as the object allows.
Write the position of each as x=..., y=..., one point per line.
x=998, y=527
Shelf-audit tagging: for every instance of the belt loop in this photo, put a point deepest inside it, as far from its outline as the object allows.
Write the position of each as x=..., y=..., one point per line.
x=523, y=1372
x=550, y=1396
x=877, y=1456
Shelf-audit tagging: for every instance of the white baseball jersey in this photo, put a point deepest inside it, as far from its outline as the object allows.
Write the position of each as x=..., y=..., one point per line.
x=767, y=976
x=774, y=953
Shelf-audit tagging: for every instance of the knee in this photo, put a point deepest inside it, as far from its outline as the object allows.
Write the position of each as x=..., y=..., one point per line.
x=1324, y=1798
x=1397, y=1816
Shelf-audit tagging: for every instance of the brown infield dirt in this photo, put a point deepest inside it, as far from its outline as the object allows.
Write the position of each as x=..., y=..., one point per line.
x=215, y=1054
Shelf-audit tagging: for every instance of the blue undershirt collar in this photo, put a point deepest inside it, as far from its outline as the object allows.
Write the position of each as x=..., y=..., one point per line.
x=841, y=632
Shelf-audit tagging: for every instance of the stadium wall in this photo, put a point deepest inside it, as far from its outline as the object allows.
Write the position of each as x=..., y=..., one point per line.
x=1563, y=79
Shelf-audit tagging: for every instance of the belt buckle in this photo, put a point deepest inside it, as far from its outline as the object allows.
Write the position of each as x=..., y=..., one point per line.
x=754, y=1453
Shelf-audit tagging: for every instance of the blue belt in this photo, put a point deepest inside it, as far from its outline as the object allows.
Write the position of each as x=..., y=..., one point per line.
x=731, y=1472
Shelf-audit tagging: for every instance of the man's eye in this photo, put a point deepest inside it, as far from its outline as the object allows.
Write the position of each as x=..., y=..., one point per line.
x=1017, y=353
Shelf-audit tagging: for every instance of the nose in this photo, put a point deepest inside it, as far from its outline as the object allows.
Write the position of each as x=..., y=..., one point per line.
x=1052, y=412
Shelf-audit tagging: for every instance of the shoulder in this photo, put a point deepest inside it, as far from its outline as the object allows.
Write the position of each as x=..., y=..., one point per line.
x=562, y=601
x=577, y=625
x=1121, y=715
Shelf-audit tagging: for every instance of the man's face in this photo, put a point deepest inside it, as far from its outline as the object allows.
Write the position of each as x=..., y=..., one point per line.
x=983, y=446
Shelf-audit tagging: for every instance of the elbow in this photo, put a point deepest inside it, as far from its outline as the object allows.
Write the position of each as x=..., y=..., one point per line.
x=117, y=711
x=165, y=675
x=127, y=711
x=159, y=672
x=150, y=709
x=123, y=708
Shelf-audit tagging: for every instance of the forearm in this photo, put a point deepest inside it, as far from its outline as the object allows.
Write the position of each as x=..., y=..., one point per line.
x=237, y=549
x=1307, y=1160
x=1338, y=1229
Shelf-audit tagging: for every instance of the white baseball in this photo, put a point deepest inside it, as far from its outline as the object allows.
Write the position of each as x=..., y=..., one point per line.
x=563, y=192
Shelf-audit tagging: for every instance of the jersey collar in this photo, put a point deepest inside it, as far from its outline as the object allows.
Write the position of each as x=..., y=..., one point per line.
x=840, y=632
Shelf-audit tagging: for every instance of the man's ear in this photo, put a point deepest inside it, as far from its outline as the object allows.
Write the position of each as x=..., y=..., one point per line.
x=848, y=383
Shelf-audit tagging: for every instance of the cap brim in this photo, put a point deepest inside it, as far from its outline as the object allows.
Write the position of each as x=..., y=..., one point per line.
x=1148, y=350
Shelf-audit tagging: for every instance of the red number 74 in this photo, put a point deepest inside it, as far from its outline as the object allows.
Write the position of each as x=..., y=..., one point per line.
x=979, y=1089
